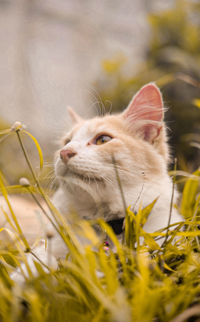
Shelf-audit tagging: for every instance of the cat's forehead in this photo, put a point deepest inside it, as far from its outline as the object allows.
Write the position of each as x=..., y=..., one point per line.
x=97, y=125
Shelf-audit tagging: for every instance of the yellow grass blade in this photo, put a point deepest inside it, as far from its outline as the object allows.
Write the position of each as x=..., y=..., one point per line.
x=37, y=146
x=196, y=102
x=5, y=194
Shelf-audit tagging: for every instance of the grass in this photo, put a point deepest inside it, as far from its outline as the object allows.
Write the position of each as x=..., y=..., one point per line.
x=138, y=282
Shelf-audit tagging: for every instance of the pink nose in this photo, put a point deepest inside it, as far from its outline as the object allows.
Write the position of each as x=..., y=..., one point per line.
x=65, y=155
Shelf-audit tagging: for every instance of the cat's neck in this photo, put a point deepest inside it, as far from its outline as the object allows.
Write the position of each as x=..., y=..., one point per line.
x=86, y=204
x=92, y=205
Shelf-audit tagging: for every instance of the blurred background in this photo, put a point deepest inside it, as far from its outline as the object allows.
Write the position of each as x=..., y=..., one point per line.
x=94, y=55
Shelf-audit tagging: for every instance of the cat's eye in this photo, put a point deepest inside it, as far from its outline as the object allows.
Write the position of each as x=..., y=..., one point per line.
x=102, y=139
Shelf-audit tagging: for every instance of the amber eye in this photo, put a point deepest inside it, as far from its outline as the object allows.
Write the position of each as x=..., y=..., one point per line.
x=102, y=139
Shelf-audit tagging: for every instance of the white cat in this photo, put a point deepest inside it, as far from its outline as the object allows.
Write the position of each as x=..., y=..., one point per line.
x=135, y=141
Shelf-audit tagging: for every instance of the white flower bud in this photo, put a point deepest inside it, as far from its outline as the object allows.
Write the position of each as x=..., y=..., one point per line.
x=24, y=182
x=17, y=126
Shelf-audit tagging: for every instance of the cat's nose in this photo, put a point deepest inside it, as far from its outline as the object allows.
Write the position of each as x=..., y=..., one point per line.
x=67, y=154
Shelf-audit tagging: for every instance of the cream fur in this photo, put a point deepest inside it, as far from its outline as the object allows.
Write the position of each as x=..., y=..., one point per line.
x=140, y=150
x=141, y=166
x=88, y=183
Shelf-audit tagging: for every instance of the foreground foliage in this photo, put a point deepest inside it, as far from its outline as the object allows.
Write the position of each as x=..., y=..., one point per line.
x=137, y=280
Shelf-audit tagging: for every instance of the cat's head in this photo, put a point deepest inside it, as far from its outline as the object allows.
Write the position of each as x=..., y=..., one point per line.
x=133, y=143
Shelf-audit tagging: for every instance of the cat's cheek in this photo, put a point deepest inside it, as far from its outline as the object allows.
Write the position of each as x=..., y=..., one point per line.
x=59, y=168
x=111, y=148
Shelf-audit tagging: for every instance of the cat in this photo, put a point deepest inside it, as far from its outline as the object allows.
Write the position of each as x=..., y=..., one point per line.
x=136, y=141
x=130, y=147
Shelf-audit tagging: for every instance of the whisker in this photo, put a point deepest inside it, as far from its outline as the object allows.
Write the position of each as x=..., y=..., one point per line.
x=93, y=92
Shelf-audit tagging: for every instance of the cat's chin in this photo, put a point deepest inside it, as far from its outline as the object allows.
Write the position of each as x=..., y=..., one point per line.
x=82, y=191
x=77, y=178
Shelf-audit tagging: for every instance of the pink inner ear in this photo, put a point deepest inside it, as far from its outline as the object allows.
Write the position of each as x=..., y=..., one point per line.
x=147, y=104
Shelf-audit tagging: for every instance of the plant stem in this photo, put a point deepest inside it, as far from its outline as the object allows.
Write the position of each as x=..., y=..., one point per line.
x=39, y=260
x=171, y=202
x=4, y=191
x=43, y=210
x=33, y=173
x=119, y=184
x=26, y=157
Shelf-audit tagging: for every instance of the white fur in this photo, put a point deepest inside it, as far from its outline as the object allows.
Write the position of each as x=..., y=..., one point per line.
x=88, y=180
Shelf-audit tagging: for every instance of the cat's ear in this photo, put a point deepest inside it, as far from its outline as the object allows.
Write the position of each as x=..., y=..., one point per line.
x=145, y=112
x=73, y=115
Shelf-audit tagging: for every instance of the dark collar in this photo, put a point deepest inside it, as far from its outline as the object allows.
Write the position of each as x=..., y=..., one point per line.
x=116, y=225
